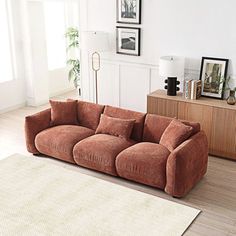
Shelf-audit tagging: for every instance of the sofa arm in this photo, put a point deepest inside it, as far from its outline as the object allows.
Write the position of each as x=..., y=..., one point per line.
x=186, y=165
x=35, y=124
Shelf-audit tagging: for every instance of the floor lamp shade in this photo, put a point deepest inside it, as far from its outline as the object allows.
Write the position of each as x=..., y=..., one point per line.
x=95, y=42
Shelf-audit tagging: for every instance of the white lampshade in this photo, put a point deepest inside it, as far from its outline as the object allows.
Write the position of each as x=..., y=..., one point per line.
x=95, y=41
x=171, y=66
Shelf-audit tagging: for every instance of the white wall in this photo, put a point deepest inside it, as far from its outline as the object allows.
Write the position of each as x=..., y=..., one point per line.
x=192, y=29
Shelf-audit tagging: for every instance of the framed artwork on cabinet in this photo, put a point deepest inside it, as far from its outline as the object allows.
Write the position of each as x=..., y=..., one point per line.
x=213, y=74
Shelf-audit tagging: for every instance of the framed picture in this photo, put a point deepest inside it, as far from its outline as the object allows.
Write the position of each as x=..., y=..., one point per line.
x=128, y=40
x=129, y=11
x=213, y=72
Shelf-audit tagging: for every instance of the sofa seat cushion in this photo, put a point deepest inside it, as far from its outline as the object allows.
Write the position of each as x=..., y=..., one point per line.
x=144, y=163
x=99, y=152
x=59, y=141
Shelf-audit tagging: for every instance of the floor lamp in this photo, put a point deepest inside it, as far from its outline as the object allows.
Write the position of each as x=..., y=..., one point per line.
x=96, y=42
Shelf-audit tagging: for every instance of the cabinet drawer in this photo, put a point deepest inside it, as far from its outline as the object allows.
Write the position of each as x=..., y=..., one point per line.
x=197, y=113
x=223, y=137
x=162, y=107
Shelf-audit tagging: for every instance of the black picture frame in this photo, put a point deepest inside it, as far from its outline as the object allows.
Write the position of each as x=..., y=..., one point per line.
x=129, y=19
x=212, y=75
x=129, y=45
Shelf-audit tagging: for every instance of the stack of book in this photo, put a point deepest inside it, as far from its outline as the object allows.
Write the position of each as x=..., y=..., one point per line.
x=192, y=89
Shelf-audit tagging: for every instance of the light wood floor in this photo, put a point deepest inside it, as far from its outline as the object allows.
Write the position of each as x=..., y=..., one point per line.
x=215, y=195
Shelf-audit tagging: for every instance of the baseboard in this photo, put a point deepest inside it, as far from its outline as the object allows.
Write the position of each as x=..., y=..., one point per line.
x=12, y=108
x=32, y=103
x=61, y=92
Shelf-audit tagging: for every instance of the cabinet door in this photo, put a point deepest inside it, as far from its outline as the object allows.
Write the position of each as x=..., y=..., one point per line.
x=197, y=113
x=163, y=107
x=223, y=139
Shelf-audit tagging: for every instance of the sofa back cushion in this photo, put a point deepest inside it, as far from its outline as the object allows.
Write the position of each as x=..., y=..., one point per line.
x=155, y=126
x=88, y=114
x=128, y=114
x=115, y=126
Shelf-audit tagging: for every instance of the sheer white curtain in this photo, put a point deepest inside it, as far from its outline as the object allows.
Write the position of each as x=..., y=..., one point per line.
x=55, y=19
x=59, y=14
x=6, y=52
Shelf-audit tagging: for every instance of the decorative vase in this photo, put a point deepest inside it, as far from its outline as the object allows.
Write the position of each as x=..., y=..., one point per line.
x=171, y=86
x=231, y=99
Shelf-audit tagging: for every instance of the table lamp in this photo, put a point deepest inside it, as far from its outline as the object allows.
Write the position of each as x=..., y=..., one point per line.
x=96, y=42
x=171, y=68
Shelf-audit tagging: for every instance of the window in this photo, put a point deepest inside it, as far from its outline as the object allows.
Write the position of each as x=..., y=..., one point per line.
x=6, y=62
x=55, y=30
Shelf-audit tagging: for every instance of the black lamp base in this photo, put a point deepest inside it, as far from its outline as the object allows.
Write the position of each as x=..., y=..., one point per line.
x=171, y=86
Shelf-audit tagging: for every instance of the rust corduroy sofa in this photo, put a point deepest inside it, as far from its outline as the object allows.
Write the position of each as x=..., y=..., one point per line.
x=141, y=158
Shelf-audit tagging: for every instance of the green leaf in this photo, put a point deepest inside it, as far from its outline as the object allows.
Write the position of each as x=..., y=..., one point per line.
x=72, y=36
x=71, y=75
x=71, y=62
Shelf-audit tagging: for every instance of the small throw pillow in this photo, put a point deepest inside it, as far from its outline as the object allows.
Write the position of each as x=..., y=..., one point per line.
x=175, y=134
x=114, y=126
x=63, y=113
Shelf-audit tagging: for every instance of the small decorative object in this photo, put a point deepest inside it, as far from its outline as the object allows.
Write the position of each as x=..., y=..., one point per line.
x=96, y=42
x=171, y=68
x=129, y=11
x=128, y=40
x=231, y=100
x=195, y=89
x=212, y=72
x=171, y=86
x=72, y=36
x=187, y=89
x=199, y=89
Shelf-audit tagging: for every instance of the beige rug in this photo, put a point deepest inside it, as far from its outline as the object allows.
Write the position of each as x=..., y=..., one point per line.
x=41, y=198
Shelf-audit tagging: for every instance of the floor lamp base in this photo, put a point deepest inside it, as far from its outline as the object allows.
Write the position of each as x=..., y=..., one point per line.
x=96, y=85
x=96, y=68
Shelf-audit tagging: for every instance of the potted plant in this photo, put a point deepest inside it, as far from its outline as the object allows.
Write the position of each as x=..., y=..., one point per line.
x=72, y=36
x=231, y=98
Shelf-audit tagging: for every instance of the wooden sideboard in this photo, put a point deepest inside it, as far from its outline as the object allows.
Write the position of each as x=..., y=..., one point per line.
x=217, y=118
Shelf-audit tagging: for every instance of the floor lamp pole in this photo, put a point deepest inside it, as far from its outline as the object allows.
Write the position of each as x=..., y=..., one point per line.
x=96, y=68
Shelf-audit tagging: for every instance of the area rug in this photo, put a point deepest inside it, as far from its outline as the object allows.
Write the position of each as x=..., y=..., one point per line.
x=41, y=198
